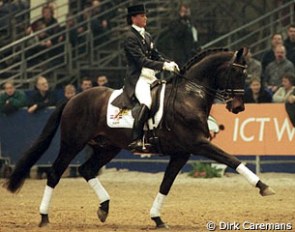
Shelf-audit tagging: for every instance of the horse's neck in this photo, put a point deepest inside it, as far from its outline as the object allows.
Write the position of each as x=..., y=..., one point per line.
x=188, y=97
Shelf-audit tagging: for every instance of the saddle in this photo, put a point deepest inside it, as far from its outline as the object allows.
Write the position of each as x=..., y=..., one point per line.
x=125, y=102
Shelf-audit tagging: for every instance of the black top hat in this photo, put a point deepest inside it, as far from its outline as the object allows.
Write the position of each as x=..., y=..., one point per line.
x=136, y=9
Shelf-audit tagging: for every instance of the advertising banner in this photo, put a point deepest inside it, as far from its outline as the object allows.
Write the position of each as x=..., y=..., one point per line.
x=262, y=129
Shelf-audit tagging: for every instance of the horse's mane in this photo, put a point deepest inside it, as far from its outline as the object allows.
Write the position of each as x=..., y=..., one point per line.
x=198, y=57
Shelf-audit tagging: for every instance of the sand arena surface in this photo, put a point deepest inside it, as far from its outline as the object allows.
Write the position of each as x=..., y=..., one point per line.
x=191, y=204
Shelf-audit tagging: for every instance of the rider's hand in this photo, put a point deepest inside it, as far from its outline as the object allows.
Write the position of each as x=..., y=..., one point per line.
x=171, y=66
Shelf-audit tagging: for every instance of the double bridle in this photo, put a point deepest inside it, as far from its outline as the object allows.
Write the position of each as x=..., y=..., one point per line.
x=226, y=94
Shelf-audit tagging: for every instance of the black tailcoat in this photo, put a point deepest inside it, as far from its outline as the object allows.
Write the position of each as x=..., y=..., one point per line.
x=140, y=52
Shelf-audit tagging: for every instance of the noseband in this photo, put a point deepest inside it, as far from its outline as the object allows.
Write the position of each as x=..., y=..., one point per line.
x=229, y=92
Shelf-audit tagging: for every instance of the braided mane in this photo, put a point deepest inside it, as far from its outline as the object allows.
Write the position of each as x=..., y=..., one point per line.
x=195, y=59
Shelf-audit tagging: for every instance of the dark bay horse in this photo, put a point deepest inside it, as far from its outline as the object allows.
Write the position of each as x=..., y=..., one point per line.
x=211, y=74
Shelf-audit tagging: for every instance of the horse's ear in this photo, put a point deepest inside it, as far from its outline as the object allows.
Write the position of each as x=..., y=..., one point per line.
x=241, y=53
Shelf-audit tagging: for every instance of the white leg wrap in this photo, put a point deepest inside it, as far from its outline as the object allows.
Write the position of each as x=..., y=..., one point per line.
x=157, y=205
x=248, y=174
x=47, y=195
x=100, y=191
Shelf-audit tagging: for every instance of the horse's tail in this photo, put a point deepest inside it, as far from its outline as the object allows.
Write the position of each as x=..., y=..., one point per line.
x=34, y=153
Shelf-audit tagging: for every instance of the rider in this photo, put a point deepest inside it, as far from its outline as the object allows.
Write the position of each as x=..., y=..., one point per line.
x=143, y=62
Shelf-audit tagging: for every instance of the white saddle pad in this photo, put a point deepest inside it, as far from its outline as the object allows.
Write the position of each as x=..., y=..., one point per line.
x=118, y=118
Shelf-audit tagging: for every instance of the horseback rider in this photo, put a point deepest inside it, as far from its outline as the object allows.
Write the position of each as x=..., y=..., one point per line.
x=144, y=61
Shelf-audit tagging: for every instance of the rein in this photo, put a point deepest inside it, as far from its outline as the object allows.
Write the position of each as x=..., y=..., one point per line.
x=224, y=95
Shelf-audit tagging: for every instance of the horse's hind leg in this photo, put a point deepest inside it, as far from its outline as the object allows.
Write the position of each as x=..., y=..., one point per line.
x=89, y=171
x=66, y=154
x=211, y=151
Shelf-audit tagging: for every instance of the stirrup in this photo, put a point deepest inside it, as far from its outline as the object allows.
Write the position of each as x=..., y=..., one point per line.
x=139, y=145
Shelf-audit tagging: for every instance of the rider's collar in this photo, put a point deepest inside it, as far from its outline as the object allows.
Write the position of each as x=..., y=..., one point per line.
x=140, y=30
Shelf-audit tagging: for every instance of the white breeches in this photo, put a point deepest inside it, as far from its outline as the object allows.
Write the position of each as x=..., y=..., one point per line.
x=142, y=88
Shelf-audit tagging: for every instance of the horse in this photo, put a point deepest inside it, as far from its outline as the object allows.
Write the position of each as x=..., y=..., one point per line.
x=211, y=74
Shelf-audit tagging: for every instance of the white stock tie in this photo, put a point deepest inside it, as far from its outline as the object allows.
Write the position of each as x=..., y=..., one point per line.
x=141, y=32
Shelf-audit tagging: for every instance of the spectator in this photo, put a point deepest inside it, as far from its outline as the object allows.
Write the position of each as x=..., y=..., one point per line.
x=286, y=90
x=11, y=100
x=254, y=68
x=275, y=70
x=269, y=55
x=45, y=39
x=42, y=96
x=290, y=107
x=290, y=43
x=69, y=91
x=100, y=24
x=76, y=35
x=256, y=93
x=85, y=84
x=74, y=30
x=184, y=36
x=102, y=81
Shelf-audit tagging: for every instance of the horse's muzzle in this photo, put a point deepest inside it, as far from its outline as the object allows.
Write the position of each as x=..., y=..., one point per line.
x=236, y=105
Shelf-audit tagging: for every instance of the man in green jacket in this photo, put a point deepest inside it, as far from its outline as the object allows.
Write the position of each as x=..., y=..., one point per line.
x=11, y=100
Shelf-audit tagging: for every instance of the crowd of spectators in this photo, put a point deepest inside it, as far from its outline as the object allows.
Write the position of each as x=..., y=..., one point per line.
x=270, y=78
x=46, y=42
x=42, y=96
x=275, y=68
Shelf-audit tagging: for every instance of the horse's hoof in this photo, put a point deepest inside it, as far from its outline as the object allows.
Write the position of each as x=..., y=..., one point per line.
x=44, y=220
x=159, y=223
x=162, y=226
x=103, y=210
x=267, y=192
x=102, y=215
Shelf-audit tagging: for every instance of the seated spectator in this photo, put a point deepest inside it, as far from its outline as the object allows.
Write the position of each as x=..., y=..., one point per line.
x=286, y=90
x=276, y=69
x=102, y=81
x=257, y=94
x=254, y=68
x=269, y=55
x=11, y=100
x=85, y=84
x=290, y=43
x=44, y=39
x=42, y=97
x=290, y=107
x=69, y=91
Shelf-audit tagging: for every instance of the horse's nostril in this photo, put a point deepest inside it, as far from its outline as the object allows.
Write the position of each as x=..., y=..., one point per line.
x=238, y=109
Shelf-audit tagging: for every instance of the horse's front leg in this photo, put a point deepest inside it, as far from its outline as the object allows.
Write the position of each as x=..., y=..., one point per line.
x=209, y=150
x=173, y=168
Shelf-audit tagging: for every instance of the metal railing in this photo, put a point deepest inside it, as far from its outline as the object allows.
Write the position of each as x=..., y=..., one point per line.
x=256, y=34
x=65, y=61
x=24, y=59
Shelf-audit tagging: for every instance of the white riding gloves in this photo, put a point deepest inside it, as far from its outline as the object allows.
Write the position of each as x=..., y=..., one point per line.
x=171, y=66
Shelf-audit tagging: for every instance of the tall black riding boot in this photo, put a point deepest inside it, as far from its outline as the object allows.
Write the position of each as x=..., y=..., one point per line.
x=137, y=133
